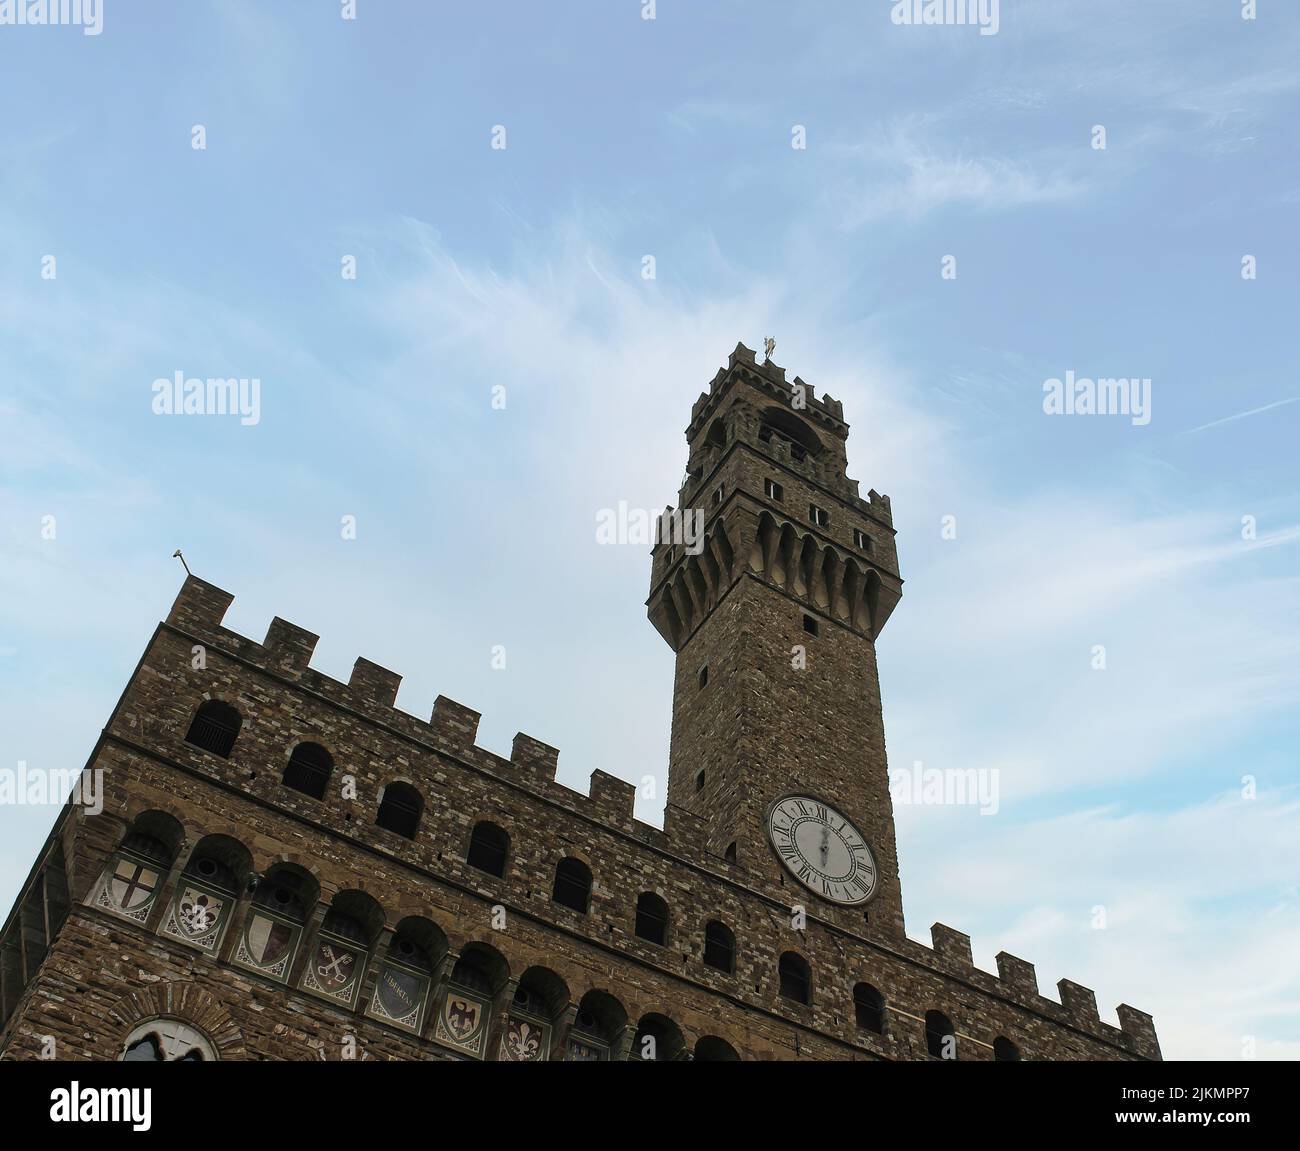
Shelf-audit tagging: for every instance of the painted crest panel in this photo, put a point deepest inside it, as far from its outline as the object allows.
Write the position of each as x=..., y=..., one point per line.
x=268, y=945
x=129, y=887
x=334, y=969
x=400, y=996
x=463, y=1022
x=525, y=1040
x=199, y=915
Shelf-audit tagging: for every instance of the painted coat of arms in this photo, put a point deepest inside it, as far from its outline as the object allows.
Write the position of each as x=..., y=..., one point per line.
x=399, y=996
x=129, y=889
x=525, y=1041
x=267, y=945
x=334, y=970
x=198, y=916
x=462, y=1022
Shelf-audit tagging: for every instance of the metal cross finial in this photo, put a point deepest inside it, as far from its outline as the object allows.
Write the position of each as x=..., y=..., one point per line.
x=176, y=555
x=769, y=345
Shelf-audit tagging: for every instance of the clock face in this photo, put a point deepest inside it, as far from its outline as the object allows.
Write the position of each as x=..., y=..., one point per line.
x=822, y=849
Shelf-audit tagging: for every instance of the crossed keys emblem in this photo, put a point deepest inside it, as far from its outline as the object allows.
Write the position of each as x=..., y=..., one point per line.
x=335, y=967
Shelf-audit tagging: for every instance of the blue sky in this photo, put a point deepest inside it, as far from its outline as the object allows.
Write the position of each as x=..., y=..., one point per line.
x=522, y=267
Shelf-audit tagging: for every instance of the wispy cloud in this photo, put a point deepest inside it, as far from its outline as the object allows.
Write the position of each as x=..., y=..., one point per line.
x=903, y=175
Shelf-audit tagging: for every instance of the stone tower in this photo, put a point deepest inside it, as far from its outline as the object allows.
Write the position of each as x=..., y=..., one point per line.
x=286, y=865
x=771, y=581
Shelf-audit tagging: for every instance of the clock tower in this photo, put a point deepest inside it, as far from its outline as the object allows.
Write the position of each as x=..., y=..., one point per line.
x=771, y=581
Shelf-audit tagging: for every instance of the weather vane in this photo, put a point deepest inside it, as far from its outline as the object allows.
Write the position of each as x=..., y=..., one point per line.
x=176, y=555
x=769, y=345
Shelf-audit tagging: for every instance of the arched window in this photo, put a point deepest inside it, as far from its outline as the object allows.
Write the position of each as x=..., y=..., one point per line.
x=217, y=871
x=480, y=968
x=134, y=873
x=166, y=1040
x=214, y=727
x=400, y=809
x=337, y=956
x=651, y=918
x=796, y=978
x=940, y=1036
x=309, y=770
x=869, y=1005
x=597, y=1026
x=711, y=1049
x=272, y=931
x=540, y=998
x=488, y=846
x=572, y=885
x=657, y=1038
x=719, y=946
x=1004, y=1051
x=406, y=973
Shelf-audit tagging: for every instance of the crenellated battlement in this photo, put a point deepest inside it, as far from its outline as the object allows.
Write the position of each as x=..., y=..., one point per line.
x=1017, y=980
x=200, y=609
x=286, y=651
x=742, y=364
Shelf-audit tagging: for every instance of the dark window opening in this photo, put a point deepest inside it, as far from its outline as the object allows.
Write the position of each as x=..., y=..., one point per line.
x=530, y=1001
x=651, y=918
x=819, y=516
x=940, y=1037
x=572, y=885
x=719, y=947
x=704, y=675
x=869, y=1006
x=400, y=809
x=861, y=540
x=215, y=727
x=1004, y=1051
x=795, y=978
x=773, y=490
x=146, y=846
x=144, y=1050
x=717, y=495
x=699, y=782
x=309, y=770
x=809, y=625
x=730, y=854
x=488, y=845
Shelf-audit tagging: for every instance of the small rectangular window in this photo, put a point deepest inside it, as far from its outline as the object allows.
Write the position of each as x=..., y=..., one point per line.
x=810, y=625
x=773, y=490
x=717, y=495
x=704, y=675
x=861, y=540
x=819, y=516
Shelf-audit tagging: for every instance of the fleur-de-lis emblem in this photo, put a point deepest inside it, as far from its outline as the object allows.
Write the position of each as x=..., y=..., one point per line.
x=526, y=1041
x=197, y=913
